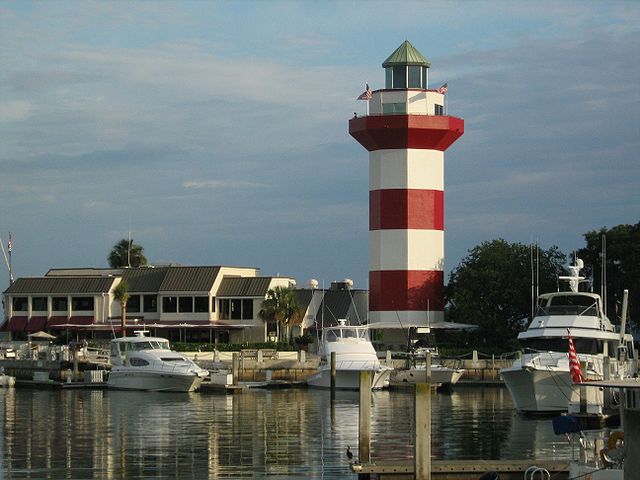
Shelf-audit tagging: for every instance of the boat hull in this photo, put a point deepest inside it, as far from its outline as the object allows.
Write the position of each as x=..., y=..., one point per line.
x=440, y=375
x=125, y=379
x=349, y=379
x=539, y=391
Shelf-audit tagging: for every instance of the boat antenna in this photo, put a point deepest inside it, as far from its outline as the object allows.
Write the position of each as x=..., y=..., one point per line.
x=603, y=274
x=355, y=308
x=537, y=268
x=532, y=278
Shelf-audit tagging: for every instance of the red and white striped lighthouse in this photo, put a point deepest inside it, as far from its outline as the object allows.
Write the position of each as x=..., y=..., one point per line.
x=406, y=133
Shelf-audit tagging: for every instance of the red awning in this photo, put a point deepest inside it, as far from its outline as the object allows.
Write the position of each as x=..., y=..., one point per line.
x=35, y=324
x=57, y=322
x=17, y=324
x=80, y=320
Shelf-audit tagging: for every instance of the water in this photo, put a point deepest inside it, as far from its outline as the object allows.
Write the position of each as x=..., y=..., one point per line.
x=263, y=433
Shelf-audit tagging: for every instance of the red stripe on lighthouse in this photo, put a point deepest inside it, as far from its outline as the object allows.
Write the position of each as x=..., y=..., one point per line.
x=406, y=209
x=402, y=290
x=434, y=132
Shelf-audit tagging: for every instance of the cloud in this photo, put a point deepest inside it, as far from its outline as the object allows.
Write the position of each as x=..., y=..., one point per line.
x=221, y=184
x=15, y=111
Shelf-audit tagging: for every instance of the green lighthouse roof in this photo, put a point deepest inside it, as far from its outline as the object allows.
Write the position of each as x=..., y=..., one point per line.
x=406, y=54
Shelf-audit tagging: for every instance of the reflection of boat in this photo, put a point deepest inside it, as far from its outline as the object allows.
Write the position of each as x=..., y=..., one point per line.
x=416, y=371
x=6, y=380
x=354, y=353
x=147, y=363
x=539, y=381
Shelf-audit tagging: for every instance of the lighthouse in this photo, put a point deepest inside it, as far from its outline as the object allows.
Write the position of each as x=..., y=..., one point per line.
x=406, y=132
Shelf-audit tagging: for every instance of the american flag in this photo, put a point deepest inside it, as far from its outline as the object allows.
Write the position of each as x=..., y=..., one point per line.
x=444, y=88
x=366, y=95
x=574, y=363
x=9, y=243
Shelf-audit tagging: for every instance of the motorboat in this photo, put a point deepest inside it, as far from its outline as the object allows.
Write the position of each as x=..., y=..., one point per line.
x=354, y=352
x=416, y=370
x=148, y=363
x=540, y=381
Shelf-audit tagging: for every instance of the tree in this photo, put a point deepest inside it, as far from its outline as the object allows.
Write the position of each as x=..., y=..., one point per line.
x=622, y=266
x=125, y=253
x=121, y=295
x=491, y=288
x=281, y=306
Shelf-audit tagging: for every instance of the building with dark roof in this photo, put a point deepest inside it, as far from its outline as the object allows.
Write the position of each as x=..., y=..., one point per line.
x=199, y=304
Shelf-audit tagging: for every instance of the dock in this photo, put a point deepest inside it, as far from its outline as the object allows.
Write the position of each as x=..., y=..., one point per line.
x=463, y=469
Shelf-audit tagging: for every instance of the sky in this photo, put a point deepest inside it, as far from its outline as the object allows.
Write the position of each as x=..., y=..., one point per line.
x=216, y=132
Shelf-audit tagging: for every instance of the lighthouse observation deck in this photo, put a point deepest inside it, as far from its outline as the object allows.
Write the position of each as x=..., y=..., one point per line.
x=411, y=118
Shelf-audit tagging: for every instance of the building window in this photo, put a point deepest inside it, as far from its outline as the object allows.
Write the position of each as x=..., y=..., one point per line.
x=394, y=108
x=236, y=309
x=399, y=77
x=414, y=76
x=224, y=309
x=82, y=304
x=247, y=309
x=39, y=304
x=201, y=304
x=133, y=304
x=150, y=303
x=213, y=304
x=20, y=304
x=59, y=304
x=186, y=304
x=170, y=304
x=439, y=109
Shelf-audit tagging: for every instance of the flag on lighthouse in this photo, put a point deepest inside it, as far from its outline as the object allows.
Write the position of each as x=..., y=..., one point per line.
x=366, y=95
x=574, y=363
x=444, y=88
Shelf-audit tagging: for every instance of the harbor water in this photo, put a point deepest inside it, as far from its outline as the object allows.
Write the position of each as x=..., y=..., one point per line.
x=289, y=433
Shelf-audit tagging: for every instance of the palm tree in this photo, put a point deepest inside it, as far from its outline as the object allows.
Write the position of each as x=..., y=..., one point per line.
x=281, y=306
x=125, y=253
x=121, y=295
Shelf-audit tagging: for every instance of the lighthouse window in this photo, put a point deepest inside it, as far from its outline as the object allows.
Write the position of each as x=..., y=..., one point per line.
x=414, y=76
x=399, y=77
x=394, y=108
x=439, y=109
x=388, y=80
x=424, y=77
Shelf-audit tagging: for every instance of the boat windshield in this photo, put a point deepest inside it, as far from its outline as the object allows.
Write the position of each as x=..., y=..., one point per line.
x=150, y=345
x=583, y=345
x=569, y=305
x=338, y=334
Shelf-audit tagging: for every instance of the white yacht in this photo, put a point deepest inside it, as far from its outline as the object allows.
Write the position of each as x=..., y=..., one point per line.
x=416, y=372
x=147, y=363
x=539, y=381
x=354, y=352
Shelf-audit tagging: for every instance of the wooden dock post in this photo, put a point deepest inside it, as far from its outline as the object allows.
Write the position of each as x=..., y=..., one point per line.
x=333, y=375
x=235, y=366
x=364, y=418
x=422, y=440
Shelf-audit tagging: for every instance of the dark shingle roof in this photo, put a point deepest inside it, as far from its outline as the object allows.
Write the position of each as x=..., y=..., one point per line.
x=244, y=286
x=406, y=54
x=141, y=280
x=189, y=279
x=60, y=285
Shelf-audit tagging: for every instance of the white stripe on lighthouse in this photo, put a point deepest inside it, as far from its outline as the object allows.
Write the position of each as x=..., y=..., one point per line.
x=406, y=168
x=406, y=250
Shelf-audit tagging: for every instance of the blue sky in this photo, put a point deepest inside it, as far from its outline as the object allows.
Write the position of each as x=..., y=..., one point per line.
x=218, y=131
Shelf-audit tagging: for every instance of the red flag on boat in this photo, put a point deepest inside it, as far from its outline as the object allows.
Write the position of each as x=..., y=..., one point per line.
x=574, y=363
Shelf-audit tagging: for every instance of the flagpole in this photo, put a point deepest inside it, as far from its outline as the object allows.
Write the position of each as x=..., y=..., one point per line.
x=6, y=260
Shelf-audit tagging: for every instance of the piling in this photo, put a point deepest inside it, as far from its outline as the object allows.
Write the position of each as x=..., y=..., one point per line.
x=364, y=418
x=422, y=440
x=333, y=375
x=235, y=367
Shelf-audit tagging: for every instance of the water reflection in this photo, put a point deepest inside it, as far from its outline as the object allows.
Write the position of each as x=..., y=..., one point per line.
x=281, y=433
